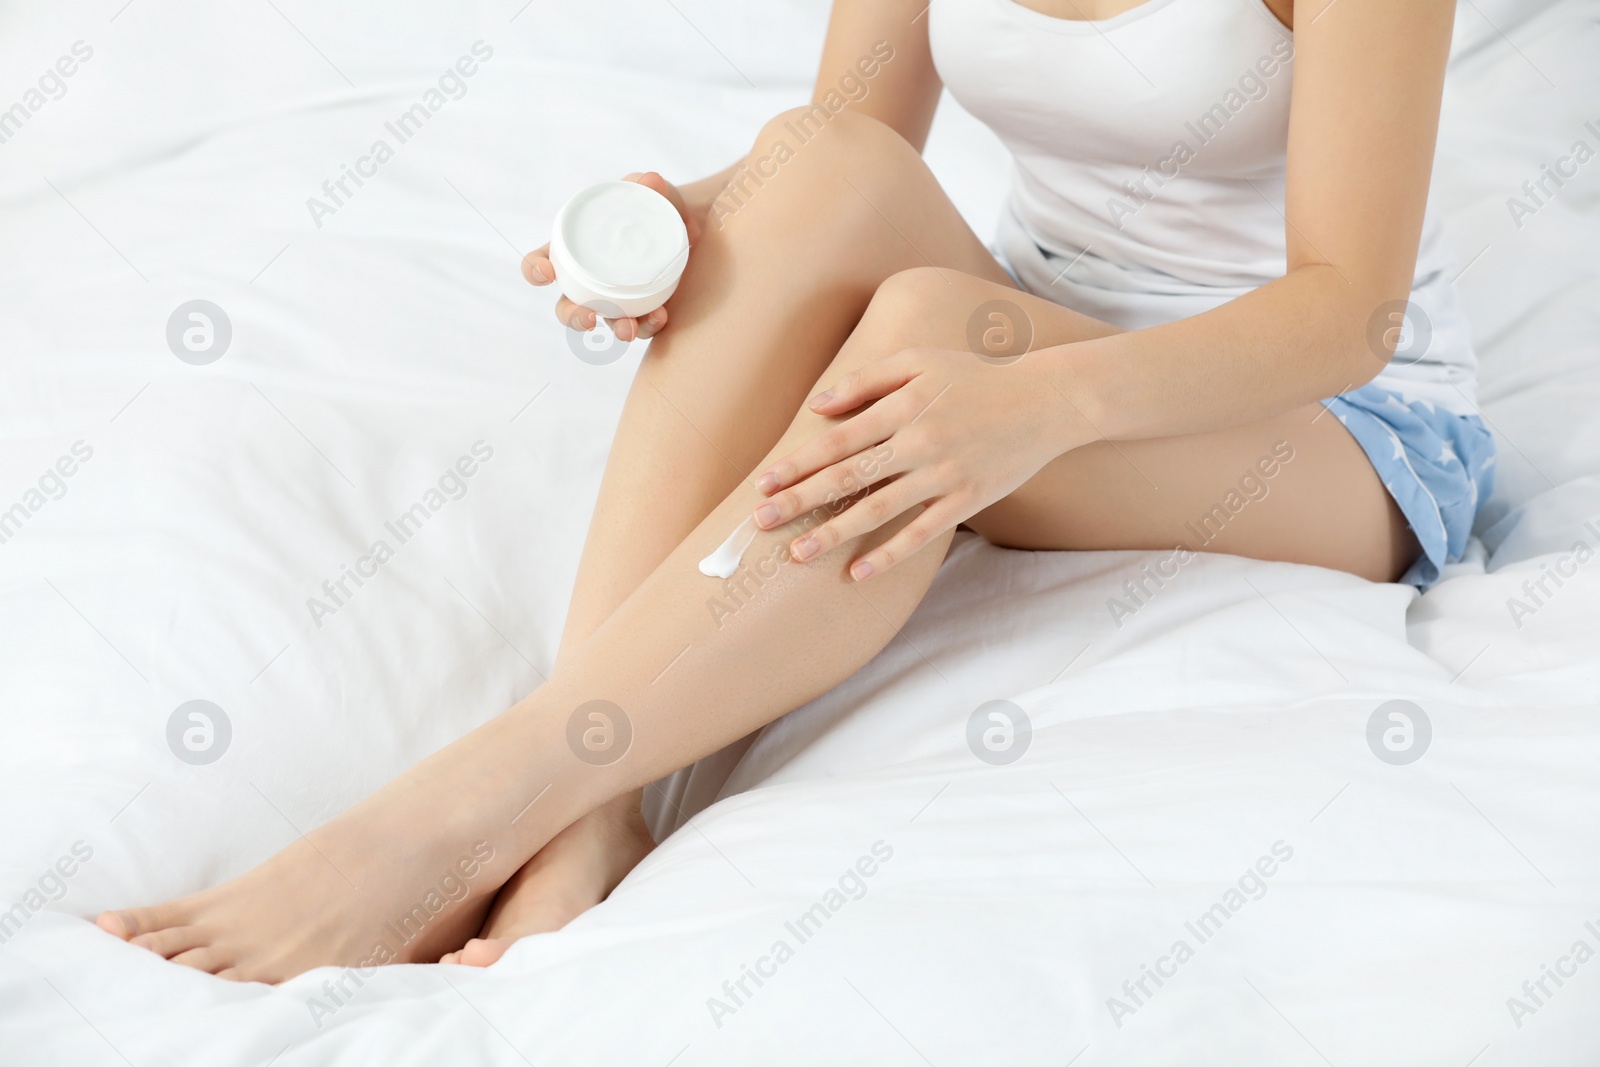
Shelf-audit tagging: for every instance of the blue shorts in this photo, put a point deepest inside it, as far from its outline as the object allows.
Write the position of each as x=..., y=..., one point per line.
x=1436, y=464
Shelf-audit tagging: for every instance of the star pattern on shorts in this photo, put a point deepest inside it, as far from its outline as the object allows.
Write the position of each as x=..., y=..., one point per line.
x=1415, y=398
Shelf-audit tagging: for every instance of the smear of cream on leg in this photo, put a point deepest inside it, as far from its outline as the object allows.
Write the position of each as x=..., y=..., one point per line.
x=725, y=560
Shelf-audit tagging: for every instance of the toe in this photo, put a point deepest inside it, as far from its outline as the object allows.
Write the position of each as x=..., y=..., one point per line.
x=238, y=974
x=171, y=941
x=112, y=923
x=205, y=958
x=482, y=951
x=131, y=922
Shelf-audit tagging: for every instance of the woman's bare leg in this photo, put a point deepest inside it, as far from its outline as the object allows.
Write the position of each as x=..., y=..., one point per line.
x=768, y=299
x=684, y=666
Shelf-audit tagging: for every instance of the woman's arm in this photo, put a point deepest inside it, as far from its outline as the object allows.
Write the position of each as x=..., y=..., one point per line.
x=901, y=92
x=905, y=91
x=1368, y=78
x=1368, y=75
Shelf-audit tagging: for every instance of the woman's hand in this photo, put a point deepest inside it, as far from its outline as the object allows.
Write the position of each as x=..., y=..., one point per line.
x=537, y=268
x=952, y=431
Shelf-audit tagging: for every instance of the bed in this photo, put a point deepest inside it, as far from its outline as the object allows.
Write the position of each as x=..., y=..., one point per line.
x=1219, y=770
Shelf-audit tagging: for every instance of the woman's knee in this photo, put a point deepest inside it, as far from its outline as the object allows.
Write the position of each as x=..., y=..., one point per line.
x=919, y=291
x=898, y=316
x=813, y=131
x=937, y=307
x=802, y=148
x=923, y=306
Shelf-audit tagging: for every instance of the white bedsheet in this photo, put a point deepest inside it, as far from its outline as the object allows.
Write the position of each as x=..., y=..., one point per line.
x=1226, y=718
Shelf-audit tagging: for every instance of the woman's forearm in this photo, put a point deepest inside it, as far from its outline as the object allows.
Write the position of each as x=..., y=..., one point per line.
x=1291, y=342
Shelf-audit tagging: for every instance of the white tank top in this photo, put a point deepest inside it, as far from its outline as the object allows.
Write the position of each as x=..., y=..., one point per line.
x=1149, y=157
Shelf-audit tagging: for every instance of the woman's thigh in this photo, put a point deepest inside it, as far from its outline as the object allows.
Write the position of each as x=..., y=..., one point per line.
x=1296, y=488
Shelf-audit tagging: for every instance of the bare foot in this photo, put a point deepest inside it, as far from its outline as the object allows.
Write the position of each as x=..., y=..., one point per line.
x=577, y=870
x=351, y=893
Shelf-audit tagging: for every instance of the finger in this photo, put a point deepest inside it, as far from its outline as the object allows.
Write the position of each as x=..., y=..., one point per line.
x=651, y=180
x=877, y=379
x=838, y=442
x=832, y=484
x=625, y=329
x=575, y=317
x=537, y=268
x=653, y=323
x=864, y=516
x=935, y=520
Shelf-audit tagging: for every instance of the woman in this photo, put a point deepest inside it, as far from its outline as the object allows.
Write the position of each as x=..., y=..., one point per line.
x=1197, y=271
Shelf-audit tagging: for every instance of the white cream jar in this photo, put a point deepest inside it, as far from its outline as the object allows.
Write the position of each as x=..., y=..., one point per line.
x=619, y=248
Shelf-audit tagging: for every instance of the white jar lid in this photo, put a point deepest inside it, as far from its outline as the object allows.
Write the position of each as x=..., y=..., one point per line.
x=621, y=238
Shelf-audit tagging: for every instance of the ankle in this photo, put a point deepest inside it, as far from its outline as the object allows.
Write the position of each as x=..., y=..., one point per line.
x=622, y=820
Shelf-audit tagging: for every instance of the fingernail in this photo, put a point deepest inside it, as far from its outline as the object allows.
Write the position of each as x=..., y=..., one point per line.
x=861, y=570
x=539, y=271
x=805, y=548
x=767, y=482
x=822, y=398
x=766, y=515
